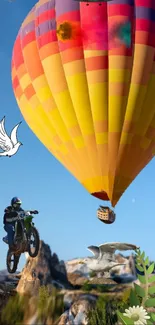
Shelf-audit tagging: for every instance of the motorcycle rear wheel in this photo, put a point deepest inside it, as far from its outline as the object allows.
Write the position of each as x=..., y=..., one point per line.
x=33, y=251
x=15, y=260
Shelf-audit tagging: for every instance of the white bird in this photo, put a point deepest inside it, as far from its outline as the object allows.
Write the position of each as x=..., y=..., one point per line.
x=104, y=258
x=9, y=145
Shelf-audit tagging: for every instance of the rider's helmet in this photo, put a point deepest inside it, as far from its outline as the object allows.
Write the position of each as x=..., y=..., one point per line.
x=16, y=202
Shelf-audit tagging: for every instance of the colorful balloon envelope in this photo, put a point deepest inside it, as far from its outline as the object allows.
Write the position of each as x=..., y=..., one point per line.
x=93, y=1
x=86, y=91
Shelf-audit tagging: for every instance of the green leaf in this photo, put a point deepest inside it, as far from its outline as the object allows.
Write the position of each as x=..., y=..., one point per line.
x=147, y=261
x=141, y=278
x=151, y=279
x=139, y=290
x=138, y=262
x=153, y=316
x=151, y=319
x=139, y=268
x=125, y=320
x=149, y=322
x=152, y=290
x=138, y=257
x=142, y=255
x=150, y=302
x=150, y=269
x=134, y=301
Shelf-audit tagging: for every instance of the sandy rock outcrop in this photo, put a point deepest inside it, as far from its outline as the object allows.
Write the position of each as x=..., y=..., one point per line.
x=44, y=269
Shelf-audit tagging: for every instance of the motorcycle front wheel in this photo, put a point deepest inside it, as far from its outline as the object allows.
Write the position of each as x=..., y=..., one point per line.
x=12, y=261
x=33, y=244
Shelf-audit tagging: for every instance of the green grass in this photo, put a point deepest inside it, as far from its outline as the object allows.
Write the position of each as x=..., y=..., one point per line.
x=13, y=312
x=49, y=305
x=105, y=311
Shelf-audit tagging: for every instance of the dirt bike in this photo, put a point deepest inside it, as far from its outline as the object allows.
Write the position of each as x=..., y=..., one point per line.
x=24, y=230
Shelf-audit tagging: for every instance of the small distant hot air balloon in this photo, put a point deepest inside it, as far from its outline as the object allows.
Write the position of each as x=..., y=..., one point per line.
x=88, y=94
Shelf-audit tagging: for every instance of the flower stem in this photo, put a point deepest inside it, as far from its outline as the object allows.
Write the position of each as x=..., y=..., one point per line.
x=146, y=283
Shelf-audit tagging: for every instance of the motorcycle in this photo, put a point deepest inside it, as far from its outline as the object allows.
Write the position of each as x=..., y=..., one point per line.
x=23, y=231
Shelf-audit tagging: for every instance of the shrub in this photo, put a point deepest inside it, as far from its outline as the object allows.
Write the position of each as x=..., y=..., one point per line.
x=13, y=312
x=87, y=286
x=92, y=274
x=102, y=288
x=105, y=311
x=50, y=304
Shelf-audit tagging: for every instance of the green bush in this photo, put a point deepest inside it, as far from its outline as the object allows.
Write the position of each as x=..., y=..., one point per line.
x=87, y=286
x=92, y=274
x=50, y=304
x=105, y=311
x=102, y=288
x=13, y=312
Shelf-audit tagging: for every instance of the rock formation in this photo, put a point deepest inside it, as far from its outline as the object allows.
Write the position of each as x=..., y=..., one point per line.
x=78, y=273
x=44, y=269
x=77, y=313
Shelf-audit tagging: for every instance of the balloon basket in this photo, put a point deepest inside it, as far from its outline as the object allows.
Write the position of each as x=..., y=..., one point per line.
x=106, y=215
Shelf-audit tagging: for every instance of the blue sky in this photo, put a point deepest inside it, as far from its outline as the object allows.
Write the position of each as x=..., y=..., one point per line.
x=67, y=219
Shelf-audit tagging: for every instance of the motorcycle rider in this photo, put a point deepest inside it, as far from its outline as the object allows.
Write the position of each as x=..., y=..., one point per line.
x=9, y=219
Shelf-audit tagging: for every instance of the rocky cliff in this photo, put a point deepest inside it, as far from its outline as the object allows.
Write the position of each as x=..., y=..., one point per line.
x=45, y=269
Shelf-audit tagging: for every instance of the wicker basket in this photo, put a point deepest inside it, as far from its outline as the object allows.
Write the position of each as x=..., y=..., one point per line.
x=106, y=215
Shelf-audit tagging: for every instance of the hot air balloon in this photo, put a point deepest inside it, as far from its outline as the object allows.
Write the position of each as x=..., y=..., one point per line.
x=87, y=96
x=99, y=2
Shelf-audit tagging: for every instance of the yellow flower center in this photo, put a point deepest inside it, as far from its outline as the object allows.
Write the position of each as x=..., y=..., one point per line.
x=135, y=317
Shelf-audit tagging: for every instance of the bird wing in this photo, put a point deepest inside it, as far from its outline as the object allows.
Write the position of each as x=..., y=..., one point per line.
x=110, y=248
x=5, y=142
x=94, y=250
x=124, y=246
x=14, y=134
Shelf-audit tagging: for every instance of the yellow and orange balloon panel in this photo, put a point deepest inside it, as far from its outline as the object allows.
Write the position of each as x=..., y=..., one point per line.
x=87, y=96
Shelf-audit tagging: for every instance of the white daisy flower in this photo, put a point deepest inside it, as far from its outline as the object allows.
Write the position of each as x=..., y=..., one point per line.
x=138, y=314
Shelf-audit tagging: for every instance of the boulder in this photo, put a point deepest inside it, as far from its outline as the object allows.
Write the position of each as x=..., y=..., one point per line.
x=77, y=314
